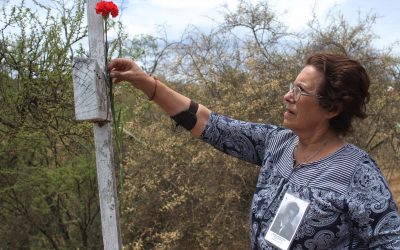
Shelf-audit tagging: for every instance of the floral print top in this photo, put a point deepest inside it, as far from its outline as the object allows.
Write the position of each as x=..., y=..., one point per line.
x=351, y=206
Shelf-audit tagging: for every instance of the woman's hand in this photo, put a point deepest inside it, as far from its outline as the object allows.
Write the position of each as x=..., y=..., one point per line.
x=123, y=69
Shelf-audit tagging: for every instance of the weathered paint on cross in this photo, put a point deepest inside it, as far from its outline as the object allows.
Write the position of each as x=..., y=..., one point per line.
x=91, y=95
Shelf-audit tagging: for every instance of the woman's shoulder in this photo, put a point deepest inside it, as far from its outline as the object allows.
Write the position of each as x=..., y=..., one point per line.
x=350, y=159
x=365, y=167
x=365, y=171
x=343, y=167
x=356, y=156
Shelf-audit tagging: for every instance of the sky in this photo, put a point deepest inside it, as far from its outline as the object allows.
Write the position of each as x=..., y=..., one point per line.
x=143, y=16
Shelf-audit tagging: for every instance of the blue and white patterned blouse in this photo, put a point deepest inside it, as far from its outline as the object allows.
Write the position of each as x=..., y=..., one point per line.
x=351, y=206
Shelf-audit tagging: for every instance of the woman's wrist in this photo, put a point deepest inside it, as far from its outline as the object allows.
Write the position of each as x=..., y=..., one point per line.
x=153, y=95
x=148, y=85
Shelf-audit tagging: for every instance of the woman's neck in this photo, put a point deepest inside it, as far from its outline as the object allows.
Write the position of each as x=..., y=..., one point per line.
x=317, y=146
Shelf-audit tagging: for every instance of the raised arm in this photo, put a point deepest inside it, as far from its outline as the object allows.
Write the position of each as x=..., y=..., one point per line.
x=172, y=102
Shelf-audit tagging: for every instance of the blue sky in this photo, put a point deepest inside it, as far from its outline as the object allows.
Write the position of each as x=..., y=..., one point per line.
x=143, y=16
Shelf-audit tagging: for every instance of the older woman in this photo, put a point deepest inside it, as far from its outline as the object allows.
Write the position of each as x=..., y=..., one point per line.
x=344, y=200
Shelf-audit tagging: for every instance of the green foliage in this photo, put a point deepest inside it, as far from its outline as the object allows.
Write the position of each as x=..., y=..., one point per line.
x=48, y=188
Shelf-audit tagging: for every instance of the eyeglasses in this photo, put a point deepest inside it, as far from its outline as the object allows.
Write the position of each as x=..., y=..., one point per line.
x=297, y=92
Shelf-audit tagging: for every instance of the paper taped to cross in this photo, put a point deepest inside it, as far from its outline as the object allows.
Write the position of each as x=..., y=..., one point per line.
x=286, y=221
x=90, y=91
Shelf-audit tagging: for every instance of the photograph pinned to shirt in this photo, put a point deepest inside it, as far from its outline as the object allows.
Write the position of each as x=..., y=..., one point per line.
x=286, y=221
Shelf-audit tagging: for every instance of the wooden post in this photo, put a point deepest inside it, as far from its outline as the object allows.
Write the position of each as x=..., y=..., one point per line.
x=92, y=100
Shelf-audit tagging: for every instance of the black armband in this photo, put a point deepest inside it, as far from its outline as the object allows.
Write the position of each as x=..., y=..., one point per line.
x=187, y=118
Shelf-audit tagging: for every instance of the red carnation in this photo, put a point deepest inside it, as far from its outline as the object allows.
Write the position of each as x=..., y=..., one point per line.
x=106, y=7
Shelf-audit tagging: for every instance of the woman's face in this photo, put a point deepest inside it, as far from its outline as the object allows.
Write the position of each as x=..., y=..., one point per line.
x=305, y=115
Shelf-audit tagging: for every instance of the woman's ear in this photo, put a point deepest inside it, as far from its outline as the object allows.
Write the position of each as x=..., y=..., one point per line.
x=335, y=109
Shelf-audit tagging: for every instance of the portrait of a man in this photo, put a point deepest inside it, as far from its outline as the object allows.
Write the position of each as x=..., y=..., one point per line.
x=283, y=224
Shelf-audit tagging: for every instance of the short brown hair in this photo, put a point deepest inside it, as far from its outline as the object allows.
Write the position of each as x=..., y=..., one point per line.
x=345, y=88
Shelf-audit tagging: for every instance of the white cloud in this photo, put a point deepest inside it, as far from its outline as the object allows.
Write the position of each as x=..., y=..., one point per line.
x=175, y=15
x=185, y=4
x=296, y=13
x=142, y=16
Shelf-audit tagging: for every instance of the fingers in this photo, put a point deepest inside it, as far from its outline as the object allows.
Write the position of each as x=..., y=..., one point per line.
x=113, y=74
x=118, y=68
x=112, y=64
x=120, y=64
x=116, y=76
x=123, y=69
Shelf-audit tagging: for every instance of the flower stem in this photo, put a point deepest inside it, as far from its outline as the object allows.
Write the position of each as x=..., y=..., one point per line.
x=116, y=119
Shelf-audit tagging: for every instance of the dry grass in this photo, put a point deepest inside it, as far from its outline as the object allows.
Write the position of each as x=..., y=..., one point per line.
x=394, y=183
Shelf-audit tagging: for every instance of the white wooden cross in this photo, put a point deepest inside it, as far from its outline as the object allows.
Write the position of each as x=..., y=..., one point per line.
x=92, y=103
